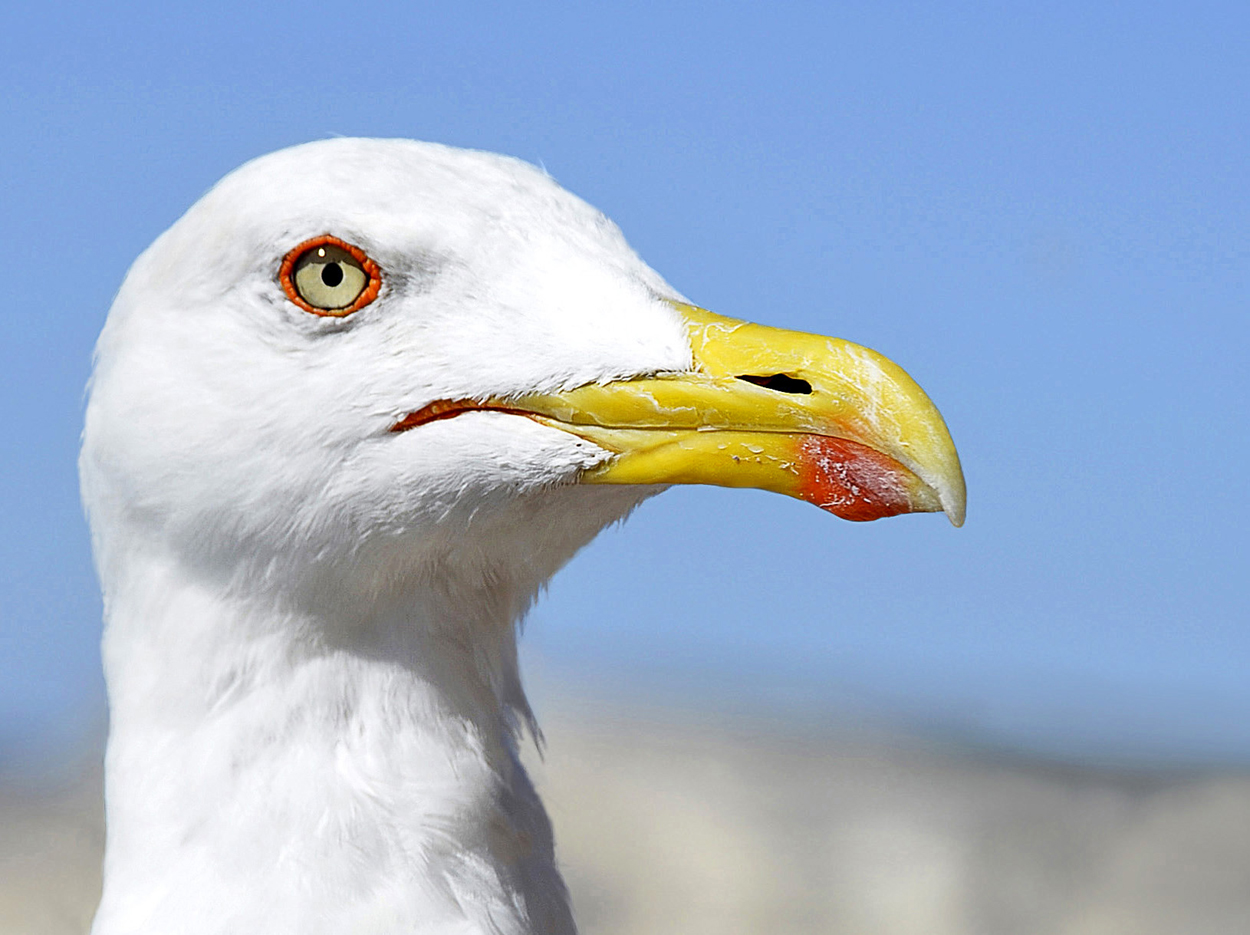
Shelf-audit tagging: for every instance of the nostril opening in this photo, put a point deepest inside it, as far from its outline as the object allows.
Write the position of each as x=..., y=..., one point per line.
x=781, y=382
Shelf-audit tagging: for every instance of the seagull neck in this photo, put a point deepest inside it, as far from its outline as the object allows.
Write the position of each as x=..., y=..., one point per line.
x=278, y=770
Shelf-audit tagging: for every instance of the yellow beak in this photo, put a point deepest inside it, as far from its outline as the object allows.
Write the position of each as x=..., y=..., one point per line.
x=816, y=418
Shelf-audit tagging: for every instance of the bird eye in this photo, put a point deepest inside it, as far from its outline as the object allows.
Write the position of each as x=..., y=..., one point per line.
x=328, y=276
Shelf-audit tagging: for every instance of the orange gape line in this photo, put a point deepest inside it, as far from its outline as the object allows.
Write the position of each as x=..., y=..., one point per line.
x=851, y=480
x=372, y=270
x=447, y=409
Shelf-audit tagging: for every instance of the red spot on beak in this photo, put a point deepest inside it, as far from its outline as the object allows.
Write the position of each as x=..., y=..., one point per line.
x=852, y=480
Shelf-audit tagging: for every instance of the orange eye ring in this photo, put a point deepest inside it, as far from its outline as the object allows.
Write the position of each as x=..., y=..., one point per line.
x=371, y=269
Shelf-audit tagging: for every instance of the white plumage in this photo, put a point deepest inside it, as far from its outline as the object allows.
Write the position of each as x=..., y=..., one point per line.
x=310, y=639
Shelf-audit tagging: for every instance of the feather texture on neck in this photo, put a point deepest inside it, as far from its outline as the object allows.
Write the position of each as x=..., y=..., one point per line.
x=280, y=770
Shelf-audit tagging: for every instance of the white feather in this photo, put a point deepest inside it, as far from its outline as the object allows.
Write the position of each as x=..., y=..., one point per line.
x=310, y=639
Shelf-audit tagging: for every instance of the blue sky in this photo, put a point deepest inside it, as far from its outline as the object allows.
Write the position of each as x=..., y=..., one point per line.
x=1042, y=212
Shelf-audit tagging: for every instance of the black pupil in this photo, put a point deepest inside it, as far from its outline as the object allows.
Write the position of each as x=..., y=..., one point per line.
x=331, y=274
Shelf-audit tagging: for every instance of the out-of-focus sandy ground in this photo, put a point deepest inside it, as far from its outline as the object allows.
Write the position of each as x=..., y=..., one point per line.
x=687, y=826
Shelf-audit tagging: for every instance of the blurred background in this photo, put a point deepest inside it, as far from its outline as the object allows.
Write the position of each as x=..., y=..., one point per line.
x=759, y=718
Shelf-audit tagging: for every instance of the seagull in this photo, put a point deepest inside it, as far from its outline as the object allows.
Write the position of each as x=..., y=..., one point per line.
x=347, y=415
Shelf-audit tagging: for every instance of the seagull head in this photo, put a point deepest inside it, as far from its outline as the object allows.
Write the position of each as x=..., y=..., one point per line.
x=347, y=415
x=357, y=360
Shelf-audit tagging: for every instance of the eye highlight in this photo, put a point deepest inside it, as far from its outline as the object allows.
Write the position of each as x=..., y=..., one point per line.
x=328, y=276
